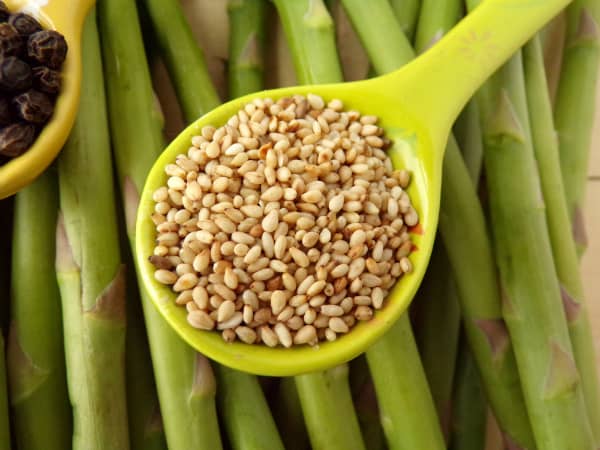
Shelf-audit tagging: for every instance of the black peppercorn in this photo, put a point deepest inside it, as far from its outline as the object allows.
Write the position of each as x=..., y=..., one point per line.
x=15, y=74
x=33, y=106
x=15, y=139
x=24, y=23
x=11, y=42
x=4, y=12
x=47, y=47
x=6, y=114
x=46, y=80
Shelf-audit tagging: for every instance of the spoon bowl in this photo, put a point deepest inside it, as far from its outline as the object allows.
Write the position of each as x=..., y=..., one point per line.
x=66, y=17
x=416, y=106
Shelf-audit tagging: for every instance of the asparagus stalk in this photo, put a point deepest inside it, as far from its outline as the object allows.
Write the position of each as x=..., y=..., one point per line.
x=245, y=413
x=575, y=103
x=407, y=14
x=4, y=421
x=563, y=246
x=469, y=253
x=435, y=20
x=247, y=418
x=328, y=410
x=437, y=332
x=174, y=36
x=185, y=382
x=469, y=412
x=467, y=131
x=287, y=413
x=325, y=397
x=36, y=359
x=247, y=25
x=89, y=271
x=532, y=305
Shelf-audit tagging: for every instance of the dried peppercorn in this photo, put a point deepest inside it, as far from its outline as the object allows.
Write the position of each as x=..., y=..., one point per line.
x=6, y=114
x=15, y=74
x=46, y=79
x=33, y=106
x=11, y=42
x=4, y=12
x=15, y=139
x=47, y=47
x=24, y=23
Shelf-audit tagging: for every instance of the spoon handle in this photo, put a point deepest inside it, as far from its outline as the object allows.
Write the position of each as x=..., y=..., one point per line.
x=448, y=74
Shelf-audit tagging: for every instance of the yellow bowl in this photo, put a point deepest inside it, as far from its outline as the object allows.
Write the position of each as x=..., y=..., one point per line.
x=65, y=16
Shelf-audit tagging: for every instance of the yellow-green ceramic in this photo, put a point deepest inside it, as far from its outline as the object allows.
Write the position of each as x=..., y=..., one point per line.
x=417, y=105
x=65, y=16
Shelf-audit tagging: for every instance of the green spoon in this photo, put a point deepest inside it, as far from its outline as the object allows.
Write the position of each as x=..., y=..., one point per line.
x=416, y=106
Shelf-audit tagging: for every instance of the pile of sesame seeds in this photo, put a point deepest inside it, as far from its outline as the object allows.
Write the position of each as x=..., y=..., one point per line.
x=285, y=226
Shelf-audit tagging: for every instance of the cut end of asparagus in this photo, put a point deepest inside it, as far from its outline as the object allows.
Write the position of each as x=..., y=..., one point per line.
x=110, y=305
x=497, y=335
x=505, y=122
x=562, y=373
x=572, y=307
x=23, y=375
x=204, y=378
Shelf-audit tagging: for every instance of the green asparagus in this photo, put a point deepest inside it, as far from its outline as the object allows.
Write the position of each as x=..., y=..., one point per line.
x=468, y=253
x=89, y=271
x=36, y=358
x=184, y=378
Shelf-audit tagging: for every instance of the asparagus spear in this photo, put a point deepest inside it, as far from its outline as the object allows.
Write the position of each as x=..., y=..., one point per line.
x=325, y=397
x=469, y=408
x=407, y=14
x=36, y=359
x=177, y=44
x=437, y=331
x=247, y=26
x=287, y=413
x=246, y=415
x=575, y=103
x=328, y=410
x=89, y=271
x=469, y=253
x=532, y=305
x=184, y=379
x=435, y=20
x=467, y=131
x=4, y=425
x=563, y=245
